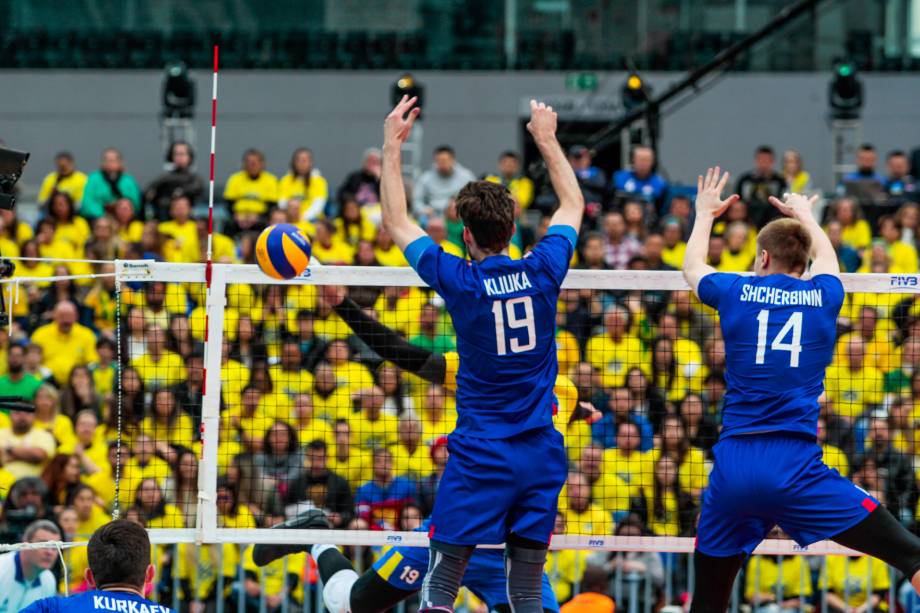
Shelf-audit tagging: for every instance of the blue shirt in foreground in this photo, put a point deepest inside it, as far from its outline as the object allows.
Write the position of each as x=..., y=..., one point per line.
x=97, y=600
x=504, y=312
x=779, y=336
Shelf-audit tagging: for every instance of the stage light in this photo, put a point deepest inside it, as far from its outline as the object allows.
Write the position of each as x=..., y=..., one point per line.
x=406, y=85
x=846, y=92
x=178, y=92
x=634, y=92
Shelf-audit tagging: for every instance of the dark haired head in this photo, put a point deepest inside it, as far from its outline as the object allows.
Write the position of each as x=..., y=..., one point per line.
x=509, y=154
x=181, y=143
x=105, y=341
x=255, y=152
x=867, y=147
x=766, y=149
x=445, y=149
x=75, y=491
x=316, y=445
x=487, y=211
x=119, y=554
x=595, y=580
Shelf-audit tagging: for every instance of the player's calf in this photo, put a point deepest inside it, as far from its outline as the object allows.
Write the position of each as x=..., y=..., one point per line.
x=446, y=565
x=524, y=561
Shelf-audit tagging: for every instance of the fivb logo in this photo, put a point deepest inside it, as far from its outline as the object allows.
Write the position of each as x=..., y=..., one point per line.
x=904, y=281
x=595, y=542
x=394, y=538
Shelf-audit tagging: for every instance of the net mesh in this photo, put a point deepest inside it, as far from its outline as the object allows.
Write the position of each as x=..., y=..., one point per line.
x=308, y=414
x=266, y=399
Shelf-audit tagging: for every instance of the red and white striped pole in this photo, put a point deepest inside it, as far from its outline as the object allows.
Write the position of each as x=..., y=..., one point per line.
x=211, y=183
x=209, y=263
x=207, y=476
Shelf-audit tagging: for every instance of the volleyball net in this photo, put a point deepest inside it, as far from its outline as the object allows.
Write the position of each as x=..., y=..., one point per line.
x=243, y=401
x=273, y=397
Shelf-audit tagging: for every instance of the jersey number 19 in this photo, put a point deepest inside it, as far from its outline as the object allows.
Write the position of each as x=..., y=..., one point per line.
x=515, y=322
x=793, y=327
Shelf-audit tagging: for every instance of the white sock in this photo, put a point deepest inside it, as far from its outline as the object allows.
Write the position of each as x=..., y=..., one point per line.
x=317, y=550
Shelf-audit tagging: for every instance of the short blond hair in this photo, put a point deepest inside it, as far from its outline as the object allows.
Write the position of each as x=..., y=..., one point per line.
x=788, y=243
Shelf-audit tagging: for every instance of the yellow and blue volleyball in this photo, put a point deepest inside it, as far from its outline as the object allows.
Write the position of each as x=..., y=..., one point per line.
x=282, y=251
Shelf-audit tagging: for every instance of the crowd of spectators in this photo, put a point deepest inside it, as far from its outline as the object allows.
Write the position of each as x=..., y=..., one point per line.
x=311, y=416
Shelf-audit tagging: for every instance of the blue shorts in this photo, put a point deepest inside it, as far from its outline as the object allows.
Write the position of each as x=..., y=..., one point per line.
x=493, y=487
x=763, y=480
x=405, y=568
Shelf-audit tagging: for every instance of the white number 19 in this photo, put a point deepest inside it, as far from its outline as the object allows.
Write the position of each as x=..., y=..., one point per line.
x=514, y=322
x=794, y=347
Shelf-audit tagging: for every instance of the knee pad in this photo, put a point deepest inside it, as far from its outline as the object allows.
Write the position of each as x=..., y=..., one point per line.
x=337, y=591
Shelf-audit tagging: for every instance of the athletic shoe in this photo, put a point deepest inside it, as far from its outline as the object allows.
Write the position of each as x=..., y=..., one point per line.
x=264, y=553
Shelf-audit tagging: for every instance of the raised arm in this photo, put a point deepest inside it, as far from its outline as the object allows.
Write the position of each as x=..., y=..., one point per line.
x=709, y=205
x=823, y=257
x=388, y=344
x=396, y=130
x=542, y=126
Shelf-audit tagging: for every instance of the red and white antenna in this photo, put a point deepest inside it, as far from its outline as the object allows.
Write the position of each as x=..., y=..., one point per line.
x=211, y=181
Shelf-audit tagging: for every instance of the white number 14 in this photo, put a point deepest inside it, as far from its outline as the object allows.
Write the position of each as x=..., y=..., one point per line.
x=794, y=347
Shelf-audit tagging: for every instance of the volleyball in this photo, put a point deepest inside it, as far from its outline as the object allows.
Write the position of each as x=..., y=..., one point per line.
x=282, y=251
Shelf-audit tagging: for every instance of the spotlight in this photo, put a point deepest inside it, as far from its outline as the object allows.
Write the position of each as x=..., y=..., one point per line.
x=12, y=163
x=846, y=92
x=634, y=92
x=178, y=92
x=406, y=85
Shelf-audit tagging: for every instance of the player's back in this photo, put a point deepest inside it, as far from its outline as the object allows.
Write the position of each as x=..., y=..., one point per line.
x=97, y=600
x=504, y=312
x=779, y=334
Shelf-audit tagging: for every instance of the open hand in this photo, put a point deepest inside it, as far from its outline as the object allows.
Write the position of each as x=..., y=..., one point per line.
x=542, y=122
x=796, y=206
x=399, y=122
x=709, y=193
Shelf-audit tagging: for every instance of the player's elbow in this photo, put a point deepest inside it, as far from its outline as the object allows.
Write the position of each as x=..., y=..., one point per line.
x=576, y=201
x=388, y=222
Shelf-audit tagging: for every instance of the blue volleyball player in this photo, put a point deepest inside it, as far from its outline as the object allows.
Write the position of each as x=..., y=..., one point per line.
x=119, y=571
x=779, y=328
x=507, y=463
x=396, y=575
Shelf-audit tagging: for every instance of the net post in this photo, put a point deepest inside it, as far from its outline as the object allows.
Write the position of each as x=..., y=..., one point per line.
x=215, y=304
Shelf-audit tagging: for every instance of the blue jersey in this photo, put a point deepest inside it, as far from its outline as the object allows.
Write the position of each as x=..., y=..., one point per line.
x=651, y=187
x=504, y=312
x=779, y=336
x=97, y=600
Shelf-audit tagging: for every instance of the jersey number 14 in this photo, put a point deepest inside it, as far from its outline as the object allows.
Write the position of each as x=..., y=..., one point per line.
x=514, y=322
x=792, y=328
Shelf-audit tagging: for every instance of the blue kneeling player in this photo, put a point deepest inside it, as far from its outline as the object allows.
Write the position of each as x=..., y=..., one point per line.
x=396, y=576
x=119, y=570
x=507, y=463
x=779, y=330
